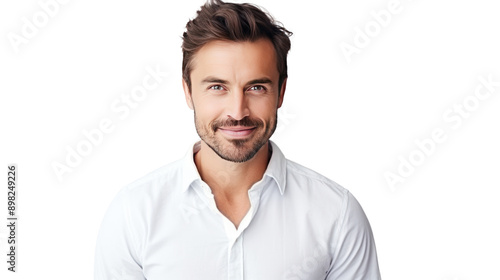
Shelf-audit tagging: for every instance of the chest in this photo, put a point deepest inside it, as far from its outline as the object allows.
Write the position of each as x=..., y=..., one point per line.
x=272, y=246
x=234, y=208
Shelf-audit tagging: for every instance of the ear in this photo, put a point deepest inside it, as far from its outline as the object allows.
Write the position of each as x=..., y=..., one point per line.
x=282, y=93
x=187, y=94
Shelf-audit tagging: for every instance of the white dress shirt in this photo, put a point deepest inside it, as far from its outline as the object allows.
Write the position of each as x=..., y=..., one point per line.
x=301, y=225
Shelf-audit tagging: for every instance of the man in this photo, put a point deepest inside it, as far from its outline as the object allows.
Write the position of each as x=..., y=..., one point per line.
x=235, y=207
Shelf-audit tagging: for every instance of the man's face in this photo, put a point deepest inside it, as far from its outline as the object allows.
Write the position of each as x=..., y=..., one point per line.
x=234, y=95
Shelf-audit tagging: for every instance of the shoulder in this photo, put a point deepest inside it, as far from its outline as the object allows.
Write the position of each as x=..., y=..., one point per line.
x=316, y=194
x=325, y=204
x=153, y=185
x=134, y=206
x=305, y=179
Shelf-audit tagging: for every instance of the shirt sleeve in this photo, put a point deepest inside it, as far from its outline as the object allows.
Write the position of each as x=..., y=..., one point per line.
x=116, y=256
x=355, y=256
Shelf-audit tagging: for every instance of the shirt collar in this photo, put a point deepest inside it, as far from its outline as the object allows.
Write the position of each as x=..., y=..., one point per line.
x=189, y=169
x=276, y=168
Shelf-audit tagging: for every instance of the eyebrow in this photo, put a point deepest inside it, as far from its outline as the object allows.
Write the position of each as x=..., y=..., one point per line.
x=211, y=79
x=260, y=81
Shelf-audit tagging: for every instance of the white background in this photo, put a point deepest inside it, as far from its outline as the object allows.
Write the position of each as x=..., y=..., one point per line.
x=351, y=121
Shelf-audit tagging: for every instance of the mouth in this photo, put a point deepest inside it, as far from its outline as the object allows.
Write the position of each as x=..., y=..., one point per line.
x=237, y=131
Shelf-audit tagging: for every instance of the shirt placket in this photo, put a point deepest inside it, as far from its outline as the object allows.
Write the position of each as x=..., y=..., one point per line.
x=235, y=259
x=235, y=236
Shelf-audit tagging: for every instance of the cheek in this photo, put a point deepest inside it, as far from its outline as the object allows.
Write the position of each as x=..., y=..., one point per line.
x=264, y=109
x=208, y=110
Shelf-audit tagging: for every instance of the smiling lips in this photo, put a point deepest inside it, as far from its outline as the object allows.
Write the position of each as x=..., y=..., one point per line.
x=237, y=131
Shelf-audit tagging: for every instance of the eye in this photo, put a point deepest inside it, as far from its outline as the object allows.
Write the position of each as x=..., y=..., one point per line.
x=216, y=87
x=258, y=88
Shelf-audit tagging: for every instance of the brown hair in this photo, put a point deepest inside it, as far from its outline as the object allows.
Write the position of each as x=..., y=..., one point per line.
x=217, y=20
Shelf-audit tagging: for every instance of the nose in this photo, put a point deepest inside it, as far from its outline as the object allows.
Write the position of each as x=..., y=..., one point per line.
x=238, y=106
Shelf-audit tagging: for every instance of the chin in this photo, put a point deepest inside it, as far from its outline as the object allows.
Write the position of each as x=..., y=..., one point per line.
x=237, y=150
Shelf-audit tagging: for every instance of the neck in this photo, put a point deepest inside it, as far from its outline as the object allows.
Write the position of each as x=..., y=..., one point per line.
x=230, y=177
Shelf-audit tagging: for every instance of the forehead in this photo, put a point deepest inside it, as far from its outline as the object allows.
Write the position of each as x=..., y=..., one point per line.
x=235, y=60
